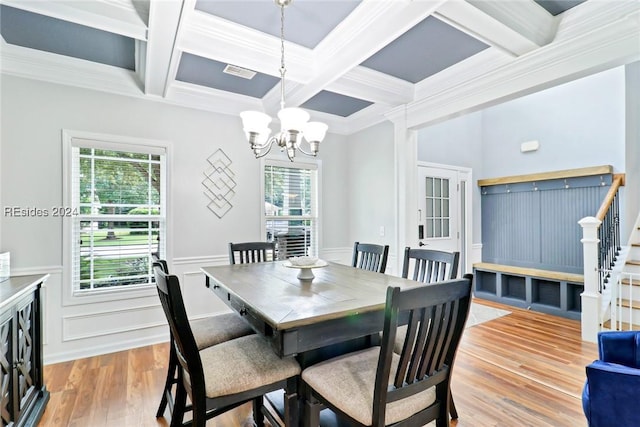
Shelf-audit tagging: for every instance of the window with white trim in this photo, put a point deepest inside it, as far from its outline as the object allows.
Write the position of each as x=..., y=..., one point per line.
x=119, y=213
x=291, y=208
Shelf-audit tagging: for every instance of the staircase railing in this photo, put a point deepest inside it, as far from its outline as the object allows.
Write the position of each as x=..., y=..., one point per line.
x=609, y=232
x=601, y=247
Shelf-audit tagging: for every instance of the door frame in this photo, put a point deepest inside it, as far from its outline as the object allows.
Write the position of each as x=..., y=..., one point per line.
x=464, y=211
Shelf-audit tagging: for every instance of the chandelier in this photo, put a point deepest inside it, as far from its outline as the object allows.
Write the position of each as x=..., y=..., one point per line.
x=294, y=122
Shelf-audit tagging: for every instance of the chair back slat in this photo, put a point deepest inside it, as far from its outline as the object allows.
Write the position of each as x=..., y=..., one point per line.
x=250, y=252
x=185, y=345
x=436, y=315
x=371, y=257
x=430, y=265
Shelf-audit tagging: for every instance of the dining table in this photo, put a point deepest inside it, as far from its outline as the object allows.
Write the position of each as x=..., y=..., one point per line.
x=339, y=310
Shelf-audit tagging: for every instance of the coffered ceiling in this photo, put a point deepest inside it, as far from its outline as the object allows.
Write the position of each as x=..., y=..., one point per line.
x=350, y=62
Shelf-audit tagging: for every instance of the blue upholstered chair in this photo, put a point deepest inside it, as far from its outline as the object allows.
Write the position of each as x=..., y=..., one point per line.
x=610, y=395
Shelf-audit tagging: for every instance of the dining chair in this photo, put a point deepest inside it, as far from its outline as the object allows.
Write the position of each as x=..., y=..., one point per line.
x=248, y=252
x=429, y=265
x=207, y=331
x=368, y=256
x=226, y=375
x=378, y=387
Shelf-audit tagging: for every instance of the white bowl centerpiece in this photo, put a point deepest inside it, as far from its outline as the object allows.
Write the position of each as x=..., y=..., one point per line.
x=305, y=264
x=303, y=261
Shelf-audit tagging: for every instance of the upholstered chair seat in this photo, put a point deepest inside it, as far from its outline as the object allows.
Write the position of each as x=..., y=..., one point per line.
x=217, y=329
x=377, y=387
x=207, y=332
x=217, y=379
x=243, y=364
x=348, y=382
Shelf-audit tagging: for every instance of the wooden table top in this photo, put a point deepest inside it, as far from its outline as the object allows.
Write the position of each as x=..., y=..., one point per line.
x=285, y=302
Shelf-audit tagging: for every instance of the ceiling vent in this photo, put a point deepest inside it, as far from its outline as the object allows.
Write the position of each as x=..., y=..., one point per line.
x=234, y=70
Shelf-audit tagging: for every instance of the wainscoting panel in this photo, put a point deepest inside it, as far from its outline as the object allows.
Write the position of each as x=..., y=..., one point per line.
x=569, y=205
x=535, y=224
x=112, y=322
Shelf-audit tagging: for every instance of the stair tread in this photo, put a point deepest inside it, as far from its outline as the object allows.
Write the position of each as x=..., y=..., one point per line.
x=626, y=281
x=633, y=262
x=624, y=326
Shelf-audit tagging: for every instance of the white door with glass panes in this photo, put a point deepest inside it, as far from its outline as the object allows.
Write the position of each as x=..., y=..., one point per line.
x=438, y=220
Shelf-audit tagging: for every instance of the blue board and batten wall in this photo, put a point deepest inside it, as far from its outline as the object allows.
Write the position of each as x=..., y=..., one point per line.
x=535, y=224
x=532, y=253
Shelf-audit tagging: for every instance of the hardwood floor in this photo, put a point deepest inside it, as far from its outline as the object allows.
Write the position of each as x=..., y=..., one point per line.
x=522, y=369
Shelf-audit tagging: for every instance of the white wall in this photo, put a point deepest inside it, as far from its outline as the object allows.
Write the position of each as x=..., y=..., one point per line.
x=33, y=116
x=371, y=188
x=632, y=188
x=578, y=124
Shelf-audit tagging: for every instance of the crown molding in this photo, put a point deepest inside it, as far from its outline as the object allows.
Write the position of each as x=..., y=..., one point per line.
x=208, y=99
x=213, y=37
x=526, y=18
x=374, y=86
x=590, y=16
x=45, y=66
x=609, y=45
x=470, y=68
x=106, y=16
x=515, y=27
x=367, y=117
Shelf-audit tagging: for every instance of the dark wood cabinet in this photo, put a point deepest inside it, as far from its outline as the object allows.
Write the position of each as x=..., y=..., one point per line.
x=23, y=395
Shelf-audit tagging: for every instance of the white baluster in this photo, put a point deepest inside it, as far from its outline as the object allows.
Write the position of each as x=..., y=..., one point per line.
x=590, y=298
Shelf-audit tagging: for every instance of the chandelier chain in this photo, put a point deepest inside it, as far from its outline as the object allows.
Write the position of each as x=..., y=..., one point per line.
x=294, y=122
x=283, y=70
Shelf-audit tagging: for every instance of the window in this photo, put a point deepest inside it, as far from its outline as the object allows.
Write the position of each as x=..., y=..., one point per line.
x=290, y=208
x=437, y=198
x=117, y=213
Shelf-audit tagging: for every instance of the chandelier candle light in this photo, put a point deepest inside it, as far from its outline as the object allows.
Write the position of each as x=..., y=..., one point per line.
x=294, y=122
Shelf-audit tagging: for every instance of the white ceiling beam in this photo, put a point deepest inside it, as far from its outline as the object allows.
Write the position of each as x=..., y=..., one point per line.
x=361, y=83
x=358, y=37
x=367, y=117
x=516, y=26
x=114, y=16
x=164, y=18
x=477, y=65
x=374, y=86
x=208, y=99
x=212, y=37
x=64, y=70
x=610, y=38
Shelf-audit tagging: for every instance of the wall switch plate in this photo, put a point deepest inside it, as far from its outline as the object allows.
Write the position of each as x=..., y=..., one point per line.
x=382, y=230
x=529, y=146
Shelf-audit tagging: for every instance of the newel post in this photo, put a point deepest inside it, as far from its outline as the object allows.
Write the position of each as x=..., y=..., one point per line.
x=591, y=296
